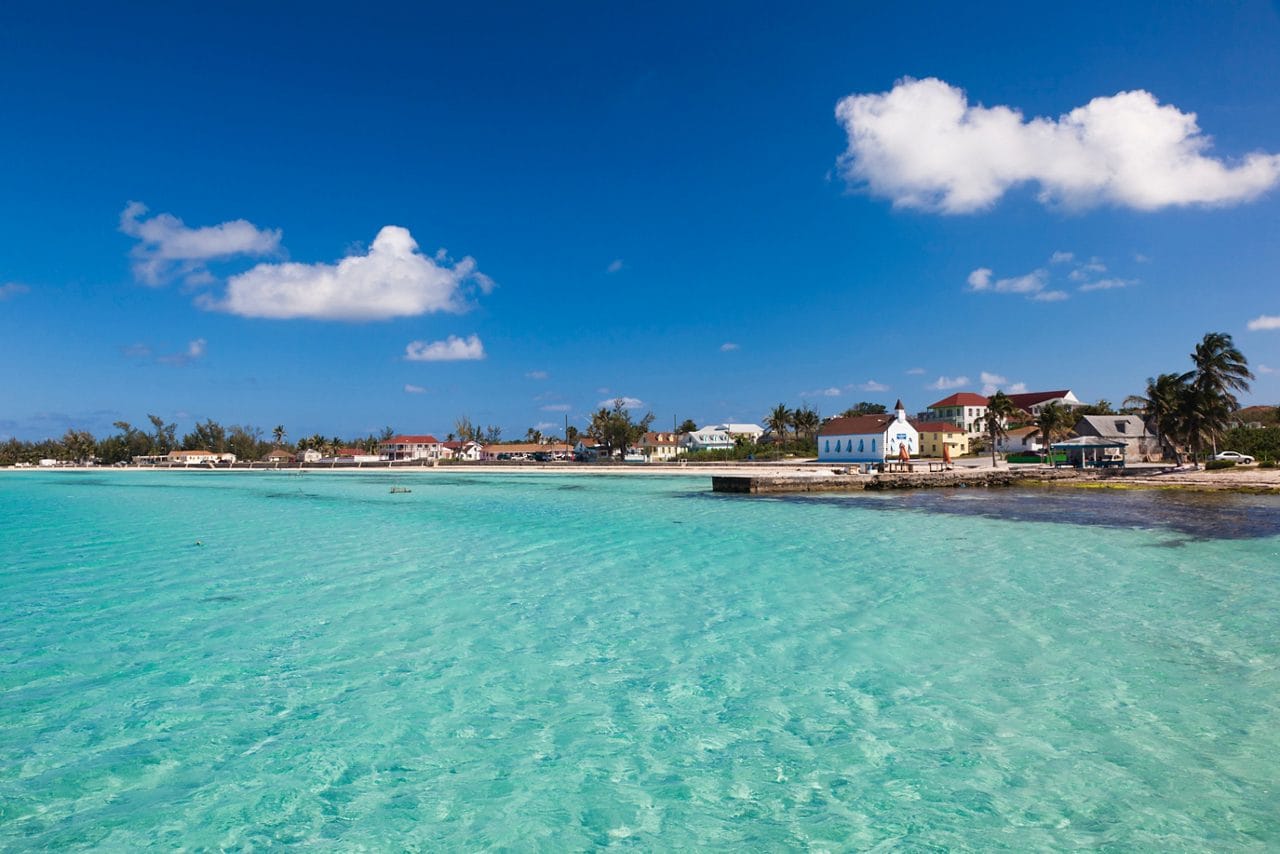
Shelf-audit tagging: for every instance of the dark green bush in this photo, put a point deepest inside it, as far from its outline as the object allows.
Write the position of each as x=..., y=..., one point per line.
x=1219, y=464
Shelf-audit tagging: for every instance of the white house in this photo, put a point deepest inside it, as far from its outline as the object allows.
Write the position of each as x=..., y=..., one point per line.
x=867, y=438
x=190, y=458
x=706, y=440
x=1020, y=440
x=412, y=448
x=309, y=455
x=753, y=432
x=469, y=451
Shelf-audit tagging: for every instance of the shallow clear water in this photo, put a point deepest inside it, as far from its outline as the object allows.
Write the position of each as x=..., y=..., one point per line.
x=562, y=663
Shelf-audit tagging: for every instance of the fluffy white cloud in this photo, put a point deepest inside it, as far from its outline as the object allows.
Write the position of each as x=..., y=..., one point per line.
x=729, y=347
x=872, y=385
x=1062, y=257
x=556, y=407
x=12, y=289
x=627, y=403
x=992, y=383
x=410, y=388
x=944, y=383
x=537, y=375
x=1264, y=321
x=614, y=266
x=916, y=372
x=452, y=349
x=393, y=279
x=923, y=145
x=168, y=249
x=1264, y=369
x=1050, y=296
x=822, y=392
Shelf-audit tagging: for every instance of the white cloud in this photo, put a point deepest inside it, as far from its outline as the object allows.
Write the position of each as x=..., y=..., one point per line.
x=195, y=350
x=537, y=375
x=614, y=266
x=1264, y=321
x=944, y=383
x=1062, y=258
x=393, y=279
x=556, y=407
x=821, y=392
x=1263, y=369
x=1107, y=284
x=916, y=372
x=1050, y=296
x=992, y=383
x=981, y=281
x=923, y=145
x=410, y=388
x=872, y=385
x=545, y=425
x=729, y=347
x=1140, y=258
x=627, y=403
x=168, y=249
x=452, y=349
x=12, y=289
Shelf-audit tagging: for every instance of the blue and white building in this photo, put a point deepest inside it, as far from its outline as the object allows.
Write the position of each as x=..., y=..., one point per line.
x=867, y=438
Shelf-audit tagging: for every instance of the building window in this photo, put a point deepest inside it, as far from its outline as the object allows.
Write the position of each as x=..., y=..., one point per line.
x=826, y=449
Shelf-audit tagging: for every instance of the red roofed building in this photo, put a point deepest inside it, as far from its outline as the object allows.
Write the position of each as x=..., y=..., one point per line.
x=934, y=435
x=867, y=438
x=964, y=409
x=426, y=447
x=1034, y=401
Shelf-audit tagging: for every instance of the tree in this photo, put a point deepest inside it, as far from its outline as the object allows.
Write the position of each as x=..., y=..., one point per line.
x=492, y=434
x=863, y=408
x=806, y=421
x=615, y=429
x=245, y=442
x=571, y=434
x=208, y=435
x=1000, y=410
x=687, y=426
x=1220, y=370
x=164, y=440
x=467, y=432
x=778, y=419
x=1053, y=421
x=1161, y=408
x=79, y=444
x=278, y=434
x=1102, y=407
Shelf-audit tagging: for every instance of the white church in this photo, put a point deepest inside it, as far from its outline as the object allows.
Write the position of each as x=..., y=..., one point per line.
x=867, y=438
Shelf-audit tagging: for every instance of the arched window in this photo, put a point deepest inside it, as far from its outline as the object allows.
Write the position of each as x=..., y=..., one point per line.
x=861, y=444
x=873, y=446
x=826, y=448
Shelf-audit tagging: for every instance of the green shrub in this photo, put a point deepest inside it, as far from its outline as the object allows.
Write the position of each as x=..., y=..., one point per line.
x=1219, y=464
x=1267, y=464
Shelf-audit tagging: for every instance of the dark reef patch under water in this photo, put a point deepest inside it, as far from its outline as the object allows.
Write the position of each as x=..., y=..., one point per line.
x=1196, y=515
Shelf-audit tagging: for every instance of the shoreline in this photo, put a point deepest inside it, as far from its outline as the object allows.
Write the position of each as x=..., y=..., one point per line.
x=794, y=477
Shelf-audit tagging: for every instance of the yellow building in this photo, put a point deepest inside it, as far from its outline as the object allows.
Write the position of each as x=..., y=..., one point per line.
x=935, y=434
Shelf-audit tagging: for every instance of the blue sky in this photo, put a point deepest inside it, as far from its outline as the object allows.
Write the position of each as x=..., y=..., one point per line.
x=657, y=203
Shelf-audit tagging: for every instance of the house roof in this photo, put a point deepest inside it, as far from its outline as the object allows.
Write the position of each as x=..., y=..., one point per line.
x=730, y=427
x=856, y=425
x=659, y=439
x=529, y=448
x=960, y=398
x=194, y=453
x=412, y=440
x=934, y=426
x=1020, y=432
x=1031, y=398
x=278, y=452
x=1110, y=426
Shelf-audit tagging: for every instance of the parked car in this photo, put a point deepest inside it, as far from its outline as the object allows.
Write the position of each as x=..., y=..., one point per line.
x=1235, y=457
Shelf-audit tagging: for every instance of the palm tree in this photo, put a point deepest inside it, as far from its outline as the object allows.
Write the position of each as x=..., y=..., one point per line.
x=999, y=410
x=1220, y=370
x=806, y=422
x=278, y=434
x=1161, y=408
x=778, y=420
x=1053, y=421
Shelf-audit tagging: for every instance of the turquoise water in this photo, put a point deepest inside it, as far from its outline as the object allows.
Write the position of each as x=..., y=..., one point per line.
x=565, y=663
